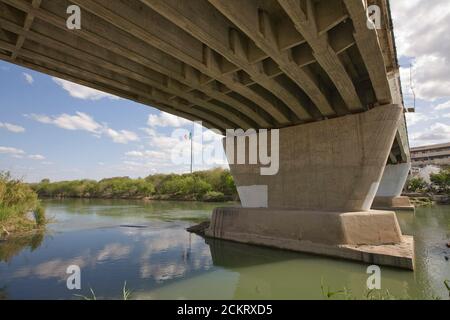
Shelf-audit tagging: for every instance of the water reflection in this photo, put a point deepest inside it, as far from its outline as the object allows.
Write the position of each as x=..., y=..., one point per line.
x=431, y=228
x=160, y=260
x=276, y=274
x=3, y=295
x=10, y=248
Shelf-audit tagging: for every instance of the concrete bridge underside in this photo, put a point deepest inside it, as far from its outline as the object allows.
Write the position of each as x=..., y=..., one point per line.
x=311, y=68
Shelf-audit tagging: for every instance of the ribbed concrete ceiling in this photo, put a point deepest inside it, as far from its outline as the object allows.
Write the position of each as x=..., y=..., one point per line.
x=230, y=63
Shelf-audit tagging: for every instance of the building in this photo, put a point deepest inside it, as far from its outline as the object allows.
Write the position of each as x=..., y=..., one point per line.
x=437, y=155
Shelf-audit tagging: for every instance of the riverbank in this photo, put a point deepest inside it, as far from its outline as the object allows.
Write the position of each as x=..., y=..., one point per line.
x=428, y=199
x=215, y=185
x=209, y=197
x=434, y=191
x=20, y=208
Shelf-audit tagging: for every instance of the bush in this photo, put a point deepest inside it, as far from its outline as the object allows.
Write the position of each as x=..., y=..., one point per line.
x=213, y=196
x=441, y=181
x=185, y=185
x=416, y=185
x=16, y=200
x=39, y=216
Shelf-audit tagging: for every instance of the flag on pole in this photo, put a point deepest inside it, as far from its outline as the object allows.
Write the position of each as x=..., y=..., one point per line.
x=189, y=138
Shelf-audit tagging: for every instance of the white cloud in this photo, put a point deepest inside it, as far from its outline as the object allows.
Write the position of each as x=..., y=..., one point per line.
x=12, y=127
x=79, y=121
x=437, y=133
x=136, y=154
x=149, y=154
x=422, y=30
x=113, y=251
x=36, y=157
x=122, y=136
x=82, y=92
x=11, y=151
x=20, y=154
x=166, y=120
x=443, y=106
x=84, y=122
x=150, y=132
x=28, y=78
x=417, y=118
x=172, y=152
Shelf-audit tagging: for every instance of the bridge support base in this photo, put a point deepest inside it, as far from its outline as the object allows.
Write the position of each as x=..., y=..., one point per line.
x=389, y=192
x=320, y=198
x=393, y=203
x=372, y=237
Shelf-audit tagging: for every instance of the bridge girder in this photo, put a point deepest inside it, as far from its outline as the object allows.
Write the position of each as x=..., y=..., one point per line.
x=246, y=64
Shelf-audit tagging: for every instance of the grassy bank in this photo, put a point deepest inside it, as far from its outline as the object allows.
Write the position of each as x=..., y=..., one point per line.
x=212, y=185
x=17, y=201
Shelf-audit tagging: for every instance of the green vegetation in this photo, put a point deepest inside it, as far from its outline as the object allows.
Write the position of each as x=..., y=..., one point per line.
x=17, y=200
x=373, y=294
x=212, y=185
x=126, y=294
x=327, y=293
x=447, y=286
x=438, y=190
x=416, y=184
x=440, y=183
x=29, y=241
x=421, y=201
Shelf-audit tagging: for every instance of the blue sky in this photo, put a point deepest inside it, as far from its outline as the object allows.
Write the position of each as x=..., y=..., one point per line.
x=58, y=130
x=54, y=129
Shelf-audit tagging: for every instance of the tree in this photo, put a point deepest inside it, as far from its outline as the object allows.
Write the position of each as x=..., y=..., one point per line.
x=441, y=181
x=217, y=183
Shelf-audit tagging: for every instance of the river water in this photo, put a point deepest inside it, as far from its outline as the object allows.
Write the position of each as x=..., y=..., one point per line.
x=146, y=246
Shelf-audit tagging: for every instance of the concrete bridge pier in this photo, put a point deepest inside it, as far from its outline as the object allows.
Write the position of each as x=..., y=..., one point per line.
x=319, y=200
x=389, y=193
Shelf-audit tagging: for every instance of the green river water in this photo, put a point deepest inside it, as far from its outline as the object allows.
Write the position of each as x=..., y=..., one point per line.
x=146, y=245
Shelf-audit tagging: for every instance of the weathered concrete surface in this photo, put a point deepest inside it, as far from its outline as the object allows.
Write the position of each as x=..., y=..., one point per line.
x=393, y=180
x=332, y=165
x=352, y=228
x=393, y=203
x=388, y=196
x=319, y=201
x=372, y=237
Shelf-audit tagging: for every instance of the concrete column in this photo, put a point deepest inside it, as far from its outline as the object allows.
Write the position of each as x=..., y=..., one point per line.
x=332, y=165
x=389, y=193
x=320, y=198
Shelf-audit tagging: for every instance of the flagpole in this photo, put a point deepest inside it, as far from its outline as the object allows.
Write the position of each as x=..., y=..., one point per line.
x=192, y=154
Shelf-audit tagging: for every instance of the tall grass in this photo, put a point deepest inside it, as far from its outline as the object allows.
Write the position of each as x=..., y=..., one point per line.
x=346, y=294
x=17, y=199
x=39, y=216
x=126, y=294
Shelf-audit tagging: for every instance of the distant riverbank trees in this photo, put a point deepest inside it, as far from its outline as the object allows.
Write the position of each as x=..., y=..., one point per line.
x=20, y=209
x=211, y=185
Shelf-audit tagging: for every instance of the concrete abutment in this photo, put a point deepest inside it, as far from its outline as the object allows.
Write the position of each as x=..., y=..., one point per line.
x=319, y=200
x=388, y=196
